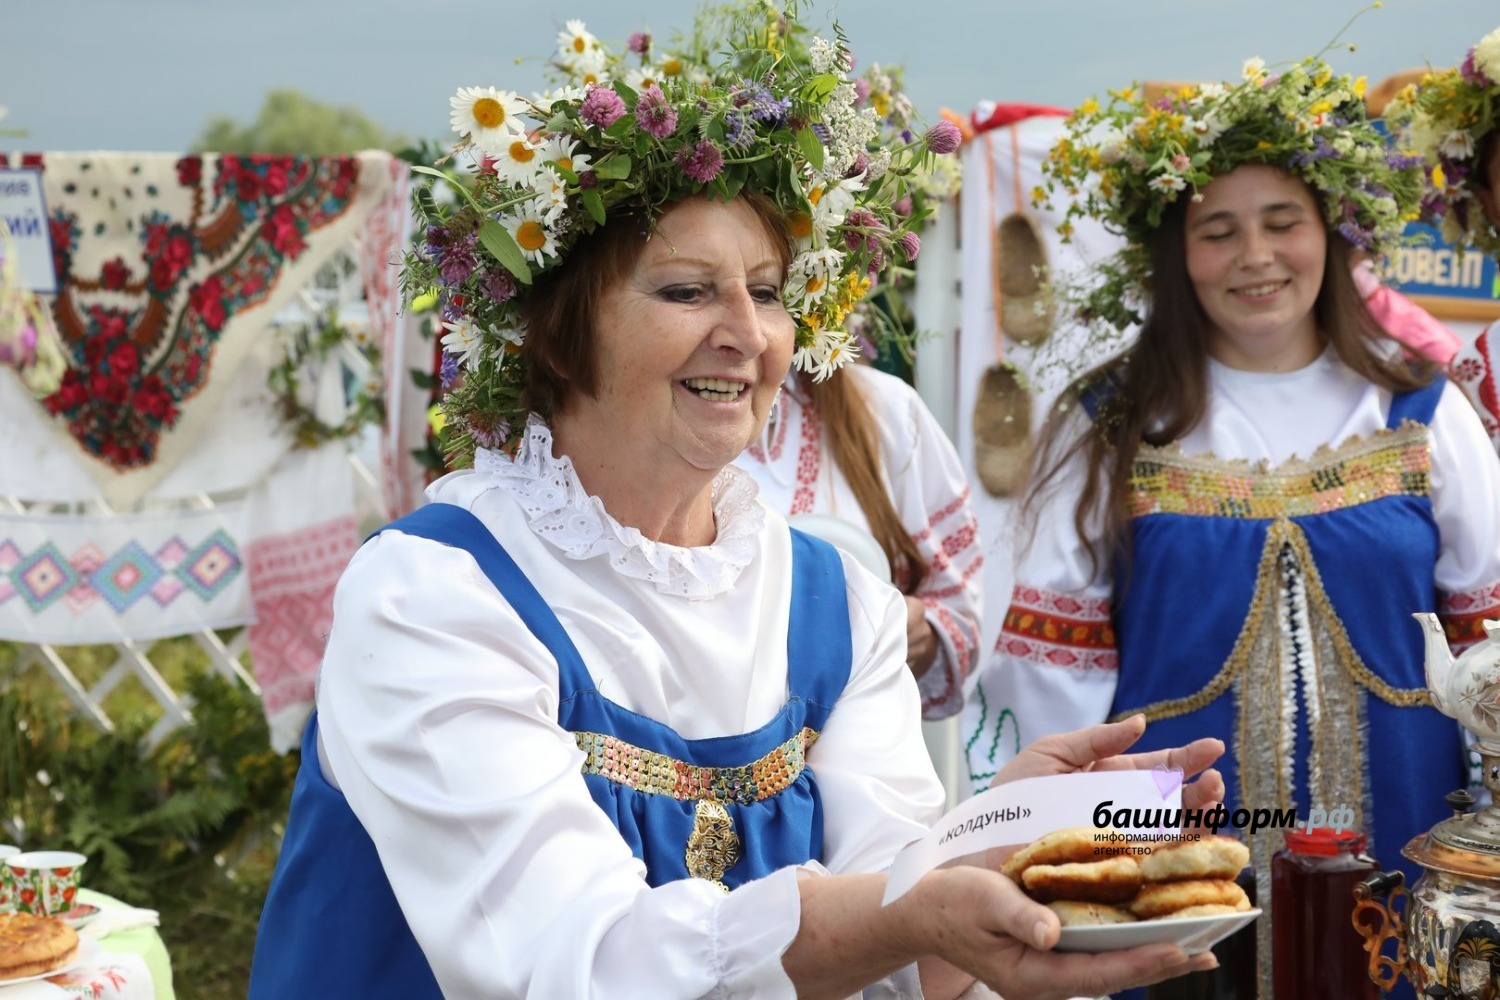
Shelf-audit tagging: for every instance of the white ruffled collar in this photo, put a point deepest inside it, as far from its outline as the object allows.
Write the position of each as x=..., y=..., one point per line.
x=559, y=510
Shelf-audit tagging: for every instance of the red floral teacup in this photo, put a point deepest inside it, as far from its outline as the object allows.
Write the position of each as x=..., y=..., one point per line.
x=45, y=882
x=7, y=887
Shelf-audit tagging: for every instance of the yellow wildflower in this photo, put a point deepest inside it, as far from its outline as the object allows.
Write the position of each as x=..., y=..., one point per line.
x=1038, y=195
x=1088, y=107
x=1320, y=108
x=1439, y=179
x=1360, y=83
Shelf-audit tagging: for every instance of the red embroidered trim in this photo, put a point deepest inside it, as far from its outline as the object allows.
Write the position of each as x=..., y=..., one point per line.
x=1058, y=630
x=1464, y=614
x=809, y=459
x=1049, y=655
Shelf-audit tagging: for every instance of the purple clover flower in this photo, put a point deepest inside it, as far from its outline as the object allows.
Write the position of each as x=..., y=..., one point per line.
x=944, y=137
x=862, y=230
x=910, y=244
x=602, y=107
x=654, y=115
x=702, y=162
x=639, y=42
x=459, y=260
x=487, y=430
x=498, y=286
x=448, y=370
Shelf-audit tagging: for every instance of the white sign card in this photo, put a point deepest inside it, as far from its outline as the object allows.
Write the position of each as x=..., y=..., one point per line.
x=1019, y=812
x=23, y=213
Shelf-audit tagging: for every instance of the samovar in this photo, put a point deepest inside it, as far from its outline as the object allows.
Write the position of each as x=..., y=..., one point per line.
x=1445, y=932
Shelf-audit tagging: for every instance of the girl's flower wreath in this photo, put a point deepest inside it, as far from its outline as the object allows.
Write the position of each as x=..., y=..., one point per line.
x=1447, y=119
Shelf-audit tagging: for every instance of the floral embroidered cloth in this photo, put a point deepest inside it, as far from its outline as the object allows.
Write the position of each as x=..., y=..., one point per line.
x=169, y=269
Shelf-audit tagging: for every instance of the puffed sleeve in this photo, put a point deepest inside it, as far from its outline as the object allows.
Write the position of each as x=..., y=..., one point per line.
x=931, y=495
x=1054, y=667
x=877, y=782
x=1465, y=502
x=438, y=719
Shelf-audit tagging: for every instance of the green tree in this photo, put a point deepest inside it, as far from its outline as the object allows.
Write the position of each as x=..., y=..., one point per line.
x=292, y=123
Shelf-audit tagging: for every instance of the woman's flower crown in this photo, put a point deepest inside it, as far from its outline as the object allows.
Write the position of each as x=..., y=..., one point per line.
x=775, y=114
x=1125, y=162
x=1446, y=118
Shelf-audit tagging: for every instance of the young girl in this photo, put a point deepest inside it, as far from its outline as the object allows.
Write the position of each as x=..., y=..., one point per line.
x=1233, y=522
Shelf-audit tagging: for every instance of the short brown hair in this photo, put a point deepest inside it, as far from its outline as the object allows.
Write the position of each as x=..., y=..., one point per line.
x=563, y=308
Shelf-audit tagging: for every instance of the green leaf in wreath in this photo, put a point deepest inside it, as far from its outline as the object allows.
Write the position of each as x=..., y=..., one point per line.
x=819, y=88
x=502, y=246
x=613, y=168
x=811, y=146
x=595, y=204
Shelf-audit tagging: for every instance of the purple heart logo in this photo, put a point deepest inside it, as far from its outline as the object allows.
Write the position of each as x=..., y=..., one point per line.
x=1167, y=781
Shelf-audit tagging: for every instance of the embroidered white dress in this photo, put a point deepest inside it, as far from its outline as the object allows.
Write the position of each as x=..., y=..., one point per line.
x=1477, y=372
x=924, y=477
x=438, y=713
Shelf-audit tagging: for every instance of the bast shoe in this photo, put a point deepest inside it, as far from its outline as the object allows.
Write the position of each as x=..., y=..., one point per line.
x=1027, y=310
x=1002, y=431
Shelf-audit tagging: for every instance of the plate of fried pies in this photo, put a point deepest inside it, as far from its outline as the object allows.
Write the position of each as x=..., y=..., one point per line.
x=34, y=947
x=1111, y=892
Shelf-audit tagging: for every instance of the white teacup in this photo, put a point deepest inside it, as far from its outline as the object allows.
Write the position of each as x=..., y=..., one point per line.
x=7, y=887
x=45, y=882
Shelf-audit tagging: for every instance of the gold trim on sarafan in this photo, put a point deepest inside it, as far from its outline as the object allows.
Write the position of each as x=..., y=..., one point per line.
x=1385, y=464
x=1292, y=663
x=658, y=774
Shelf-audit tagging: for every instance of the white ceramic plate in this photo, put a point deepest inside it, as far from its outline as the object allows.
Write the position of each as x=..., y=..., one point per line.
x=1194, y=934
x=88, y=951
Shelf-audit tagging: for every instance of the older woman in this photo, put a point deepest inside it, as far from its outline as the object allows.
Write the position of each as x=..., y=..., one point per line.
x=594, y=722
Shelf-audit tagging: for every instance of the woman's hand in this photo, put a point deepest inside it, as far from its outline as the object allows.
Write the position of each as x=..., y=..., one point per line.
x=1102, y=748
x=921, y=640
x=981, y=925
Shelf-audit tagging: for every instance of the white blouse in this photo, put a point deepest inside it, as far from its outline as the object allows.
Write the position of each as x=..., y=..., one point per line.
x=925, y=480
x=1259, y=418
x=438, y=716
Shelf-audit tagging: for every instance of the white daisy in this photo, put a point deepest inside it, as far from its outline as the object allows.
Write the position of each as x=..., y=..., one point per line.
x=560, y=149
x=1166, y=183
x=810, y=276
x=574, y=43
x=1457, y=145
x=831, y=202
x=464, y=340
x=640, y=78
x=1254, y=68
x=550, y=97
x=591, y=70
x=519, y=162
x=552, y=197
x=488, y=116
x=830, y=351
x=530, y=230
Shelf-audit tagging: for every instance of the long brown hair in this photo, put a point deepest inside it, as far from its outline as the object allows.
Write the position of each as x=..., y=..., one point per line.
x=1157, y=390
x=854, y=444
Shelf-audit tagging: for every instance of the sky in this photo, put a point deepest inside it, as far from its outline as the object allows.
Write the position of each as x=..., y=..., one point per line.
x=147, y=75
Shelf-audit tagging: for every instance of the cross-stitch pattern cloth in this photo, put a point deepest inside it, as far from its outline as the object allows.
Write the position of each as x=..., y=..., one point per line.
x=171, y=270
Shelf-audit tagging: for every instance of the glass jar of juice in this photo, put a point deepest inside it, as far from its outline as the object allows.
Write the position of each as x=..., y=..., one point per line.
x=1315, y=951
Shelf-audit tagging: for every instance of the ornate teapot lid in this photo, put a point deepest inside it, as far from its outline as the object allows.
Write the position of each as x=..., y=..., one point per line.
x=1466, y=844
